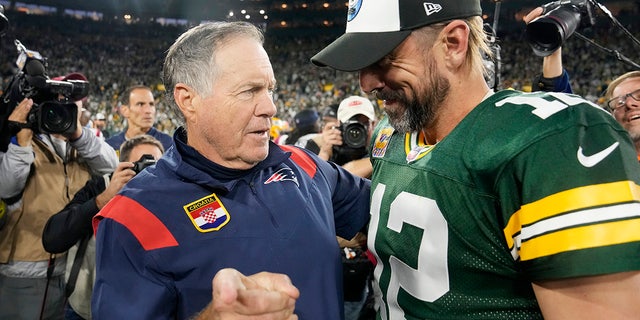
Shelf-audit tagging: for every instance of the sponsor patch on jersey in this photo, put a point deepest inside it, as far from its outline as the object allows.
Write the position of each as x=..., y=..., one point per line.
x=382, y=142
x=284, y=174
x=415, y=146
x=207, y=214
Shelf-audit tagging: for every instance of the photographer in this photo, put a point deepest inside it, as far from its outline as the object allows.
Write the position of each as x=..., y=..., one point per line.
x=40, y=173
x=620, y=95
x=71, y=227
x=357, y=113
x=554, y=78
x=344, y=141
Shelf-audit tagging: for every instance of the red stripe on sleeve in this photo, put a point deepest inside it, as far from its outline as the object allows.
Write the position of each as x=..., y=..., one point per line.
x=301, y=159
x=146, y=227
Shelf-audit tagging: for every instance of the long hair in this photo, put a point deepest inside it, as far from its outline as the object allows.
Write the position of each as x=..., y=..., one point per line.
x=478, y=41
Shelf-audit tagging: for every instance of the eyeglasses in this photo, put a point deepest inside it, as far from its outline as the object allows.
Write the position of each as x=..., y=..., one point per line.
x=617, y=102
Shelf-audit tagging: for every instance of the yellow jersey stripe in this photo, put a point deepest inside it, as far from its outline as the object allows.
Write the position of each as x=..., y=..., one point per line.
x=571, y=200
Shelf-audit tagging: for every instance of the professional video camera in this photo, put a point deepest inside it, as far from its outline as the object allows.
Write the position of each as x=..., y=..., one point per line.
x=54, y=110
x=557, y=23
x=144, y=161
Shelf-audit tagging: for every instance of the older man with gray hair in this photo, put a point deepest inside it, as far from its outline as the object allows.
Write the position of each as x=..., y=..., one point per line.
x=226, y=197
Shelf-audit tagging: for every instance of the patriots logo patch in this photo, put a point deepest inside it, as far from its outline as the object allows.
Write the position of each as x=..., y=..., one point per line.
x=284, y=174
x=207, y=214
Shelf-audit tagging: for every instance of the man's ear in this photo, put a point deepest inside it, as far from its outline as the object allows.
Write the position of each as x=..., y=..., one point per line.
x=456, y=40
x=184, y=97
x=124, y=110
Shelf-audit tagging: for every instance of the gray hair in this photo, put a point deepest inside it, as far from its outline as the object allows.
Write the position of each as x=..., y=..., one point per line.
x=191, y=58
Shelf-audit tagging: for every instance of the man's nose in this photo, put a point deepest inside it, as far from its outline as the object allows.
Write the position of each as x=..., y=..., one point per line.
x=266, y=106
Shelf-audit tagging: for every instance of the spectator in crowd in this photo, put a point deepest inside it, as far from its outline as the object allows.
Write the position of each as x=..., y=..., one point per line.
x=100, y=125
x=246, y=203
x=71, y=227
x=495, y=222
x=139, y=108
x=279, y=130
x=40, y=173
x=330, y=113
x=622, y=99
x=306, y=127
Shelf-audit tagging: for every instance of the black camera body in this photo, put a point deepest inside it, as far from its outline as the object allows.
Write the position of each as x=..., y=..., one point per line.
x=560, y=19
x=53, y=110
x=144, y=161
x=354, y=134
x=354, y=142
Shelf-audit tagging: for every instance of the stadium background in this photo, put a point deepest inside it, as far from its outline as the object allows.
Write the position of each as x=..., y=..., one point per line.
x=118, y=43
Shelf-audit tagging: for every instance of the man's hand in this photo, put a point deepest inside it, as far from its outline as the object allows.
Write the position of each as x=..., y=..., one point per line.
x=120, y=177
x=19, y=115
x=359, y=240
x=265, y=296
x=331, y=136
x=532, y=15
x=78, y=133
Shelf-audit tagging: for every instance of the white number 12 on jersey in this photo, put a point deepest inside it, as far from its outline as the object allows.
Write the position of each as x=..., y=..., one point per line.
x=430, y=280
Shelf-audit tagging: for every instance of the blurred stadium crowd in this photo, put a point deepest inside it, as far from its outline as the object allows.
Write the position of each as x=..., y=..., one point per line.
x=115, y=56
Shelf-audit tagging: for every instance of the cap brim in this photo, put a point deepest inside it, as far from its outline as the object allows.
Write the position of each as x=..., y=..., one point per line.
x=357, y=50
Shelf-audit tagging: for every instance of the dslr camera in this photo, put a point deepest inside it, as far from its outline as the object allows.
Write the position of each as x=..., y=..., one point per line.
x=144, y=161
x=354, y=142
x=559, y=20
x=54, y=109
x=354, y=134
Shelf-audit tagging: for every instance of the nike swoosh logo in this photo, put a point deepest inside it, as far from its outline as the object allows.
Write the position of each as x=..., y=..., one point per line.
x=592, y=160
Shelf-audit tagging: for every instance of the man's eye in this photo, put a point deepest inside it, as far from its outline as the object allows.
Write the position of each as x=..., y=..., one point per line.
x=247, y=94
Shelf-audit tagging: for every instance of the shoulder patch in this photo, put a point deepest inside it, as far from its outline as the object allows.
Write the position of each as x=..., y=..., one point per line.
x=207, y=214
x=382, y=142
x=144, y=225
x=302, y=159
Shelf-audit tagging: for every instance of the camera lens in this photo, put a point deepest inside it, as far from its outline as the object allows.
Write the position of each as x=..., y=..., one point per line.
x=547, y=33
x=58, y=117
x=355, y=135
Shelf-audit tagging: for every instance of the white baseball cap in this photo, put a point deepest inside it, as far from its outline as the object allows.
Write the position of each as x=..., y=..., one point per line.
x=355, y=105
x=376, y=27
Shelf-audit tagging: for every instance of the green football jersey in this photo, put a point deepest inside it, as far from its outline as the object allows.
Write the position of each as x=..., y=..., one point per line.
x=527, y=187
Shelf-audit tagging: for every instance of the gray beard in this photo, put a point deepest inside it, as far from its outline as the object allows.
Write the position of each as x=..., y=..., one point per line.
x=418, y=114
